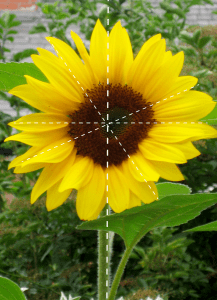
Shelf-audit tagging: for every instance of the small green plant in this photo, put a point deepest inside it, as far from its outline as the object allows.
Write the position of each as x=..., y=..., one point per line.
x=167, y=265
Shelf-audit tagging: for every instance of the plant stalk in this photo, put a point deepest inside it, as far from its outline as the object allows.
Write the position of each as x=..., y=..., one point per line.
x=119, y=273
x=104, y=257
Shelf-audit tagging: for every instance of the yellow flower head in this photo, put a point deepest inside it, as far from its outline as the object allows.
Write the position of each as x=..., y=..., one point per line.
x=110, y=125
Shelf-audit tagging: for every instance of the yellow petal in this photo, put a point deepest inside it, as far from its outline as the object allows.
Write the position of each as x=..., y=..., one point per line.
x=174, y=133
x=180, y=86
x=120, y=54
x=38, y=138
x=51, y=174
x=141, y=168
x=100, y=208
x=145, y=191
x=72, y=61
x=90, y=196
x=188, y=107
x=188, y=149
x=58, y=76
x=167, y=170
x=142, y=53
x=55, y=198
x=40, y=122
x=165, y=76
x=148, y=65
x=78, y=175
x=54, y=99
x=33, y=167
x=118, y=191
x=154, y=150
x=134, y=200
x=85, y=56
x=33, y=98
x=18, y=160
x=98, y=51
x=53, y=153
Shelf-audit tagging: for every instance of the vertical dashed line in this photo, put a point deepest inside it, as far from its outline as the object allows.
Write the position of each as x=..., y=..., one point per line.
x=107, y=165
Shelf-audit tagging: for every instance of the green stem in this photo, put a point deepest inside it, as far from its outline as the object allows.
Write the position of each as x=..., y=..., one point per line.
x=104, y=256
x=119, y=273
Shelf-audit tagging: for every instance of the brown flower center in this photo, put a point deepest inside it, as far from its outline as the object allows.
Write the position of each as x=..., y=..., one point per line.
x=110, y=131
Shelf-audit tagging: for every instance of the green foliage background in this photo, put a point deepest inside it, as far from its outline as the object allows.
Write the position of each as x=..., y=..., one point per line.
x=43, y=251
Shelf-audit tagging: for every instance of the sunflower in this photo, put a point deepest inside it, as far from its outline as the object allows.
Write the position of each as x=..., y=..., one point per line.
x=111, y=125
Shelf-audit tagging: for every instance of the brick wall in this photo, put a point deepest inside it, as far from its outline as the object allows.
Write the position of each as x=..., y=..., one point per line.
x=200, y=15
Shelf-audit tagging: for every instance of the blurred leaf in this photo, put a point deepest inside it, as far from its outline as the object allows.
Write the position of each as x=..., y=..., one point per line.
x=24, y=54
x=2, y=23
x=9, y=290
x=10, y=38
x=38, y=29
x=132, y=224
x=12, y=32
x=15, y=23
x=12, y=74
x=196, y=36
x=203, y=41
x=186, y=38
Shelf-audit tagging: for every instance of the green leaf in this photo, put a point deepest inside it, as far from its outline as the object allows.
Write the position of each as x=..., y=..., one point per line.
x=12, y=74
x=15, y=23
x=168, y=188
x=10, y=38
x=211, y=118
x=196, y=35
x=9, y=290
x=2, y=23
x=38, y=29
x=12, y=32
x=24, y=54
x=203, y=41
x=207, y=227
x=132, y=224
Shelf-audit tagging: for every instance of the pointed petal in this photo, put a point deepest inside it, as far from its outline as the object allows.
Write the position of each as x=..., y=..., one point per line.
x=180, y=86
x=145, y=191
x=26, y=169
x=37, y=138
x=174, y=133
x=148, y=65
x=31, y=96
x=142, y=53
x=18, y=160
x=90, y=196
x=59, y=77
x=118, y=191
x=78, y=175
x=188, y=149
x=85, y=56
x=155, y=150
x=72, y=61
x=55, y=198
x=54, y=99
x=134, y=200
x=98, y=51
x=167, y=170
x=40, y=122
x=165, y=76
x=141, y=168
x=191, y=106
x=53, y=153
x=51, y=174
x=120, y=54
